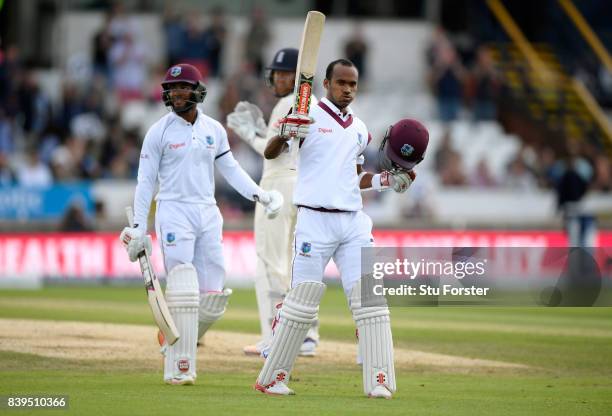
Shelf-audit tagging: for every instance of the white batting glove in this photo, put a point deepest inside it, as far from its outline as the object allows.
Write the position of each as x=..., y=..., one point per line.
x=272, y=201
x=294, y=126
x=399, y=181
x=135, y=242
x=247, y=121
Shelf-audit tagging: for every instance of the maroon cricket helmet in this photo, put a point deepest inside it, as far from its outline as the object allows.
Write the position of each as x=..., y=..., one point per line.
x=404, y=145
x=188, y=74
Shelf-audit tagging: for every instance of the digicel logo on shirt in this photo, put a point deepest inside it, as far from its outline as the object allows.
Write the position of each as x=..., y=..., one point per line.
x=176, y=145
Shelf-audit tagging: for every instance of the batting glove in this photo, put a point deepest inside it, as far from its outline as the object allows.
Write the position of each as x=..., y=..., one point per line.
x=272, y=201
x=135, y=242
x=247, y=121
x=399, y=181
x=294, y=126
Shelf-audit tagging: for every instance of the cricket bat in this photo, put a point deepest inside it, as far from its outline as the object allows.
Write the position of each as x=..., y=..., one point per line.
x=307, y=61
x=157, y=302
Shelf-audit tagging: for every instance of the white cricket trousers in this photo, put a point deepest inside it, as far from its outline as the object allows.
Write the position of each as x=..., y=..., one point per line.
x=192, y=233
x=274, y=247
x=320, y=236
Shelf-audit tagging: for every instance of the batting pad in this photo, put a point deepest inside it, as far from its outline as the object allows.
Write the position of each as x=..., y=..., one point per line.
x=299, y=311
x=375, y=342
x=212, y=308
x=183, y=298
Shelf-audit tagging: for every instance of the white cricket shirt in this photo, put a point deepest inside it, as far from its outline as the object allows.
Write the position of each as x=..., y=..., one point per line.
x=182, y=157
x=327, y=162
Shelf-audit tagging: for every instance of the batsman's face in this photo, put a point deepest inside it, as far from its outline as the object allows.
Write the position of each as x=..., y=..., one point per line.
x=342, y=87
x=283, y=82
x=180, y=93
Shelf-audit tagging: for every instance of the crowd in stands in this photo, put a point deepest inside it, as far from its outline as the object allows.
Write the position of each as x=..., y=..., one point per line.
x=466, y=85
x=457, y=85
x=80, y=136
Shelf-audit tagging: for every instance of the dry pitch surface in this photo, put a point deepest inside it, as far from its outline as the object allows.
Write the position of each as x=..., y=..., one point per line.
x=109, y=342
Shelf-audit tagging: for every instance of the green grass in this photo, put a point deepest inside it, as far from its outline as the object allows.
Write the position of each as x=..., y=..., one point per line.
x=568, y=351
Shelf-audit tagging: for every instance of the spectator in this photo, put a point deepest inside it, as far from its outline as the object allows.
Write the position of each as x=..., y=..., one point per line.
x=544, y=165
x=241, y=86
x=7, y=144
x=35, y=107
x=603, y=174
x=453, y=173
x=174, y=33
x=486, y=86
x=10, y=68
x=257, y=39
x=518, y=177
x=32, y=172
x=356, y=50
x=444, y=151
x=7, y=176
x=572, y=177
x=102, y=43
x=72, y=106
x=482, y=177
x=128, y=67
x=215, y=38
x=446, y=78
x=194, y=49
x=68, y=161
x=75, y=220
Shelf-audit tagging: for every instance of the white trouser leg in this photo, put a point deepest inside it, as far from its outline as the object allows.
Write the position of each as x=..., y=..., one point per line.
x=182, y=295
x=297, y=314
x=274, y=246
x=265, y=303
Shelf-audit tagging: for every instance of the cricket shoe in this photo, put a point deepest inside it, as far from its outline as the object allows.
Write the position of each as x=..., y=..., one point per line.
x=182, y=380
x=277, y=388
x=308, y=348
x=380, y=392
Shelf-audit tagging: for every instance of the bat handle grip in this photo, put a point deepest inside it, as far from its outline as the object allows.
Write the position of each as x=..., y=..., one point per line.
x=129, y=213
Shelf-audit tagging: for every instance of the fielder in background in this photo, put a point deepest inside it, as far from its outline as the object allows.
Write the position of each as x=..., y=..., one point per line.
x=331, y=224
x=273, y=239
x=181, y=151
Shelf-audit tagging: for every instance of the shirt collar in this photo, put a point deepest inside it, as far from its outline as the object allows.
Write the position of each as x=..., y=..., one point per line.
x=336, y=110
x=185, y=122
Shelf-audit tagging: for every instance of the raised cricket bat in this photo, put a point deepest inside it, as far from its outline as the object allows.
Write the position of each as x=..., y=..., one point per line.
x=307, y=61
x=157, y=302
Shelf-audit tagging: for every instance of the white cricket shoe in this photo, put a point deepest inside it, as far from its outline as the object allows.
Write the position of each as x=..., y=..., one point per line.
x=380, y=392
x=308, y=348
x=277, y=388
x=182, y=380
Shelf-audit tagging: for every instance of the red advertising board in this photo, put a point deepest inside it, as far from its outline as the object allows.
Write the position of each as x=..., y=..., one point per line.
x=95, y=255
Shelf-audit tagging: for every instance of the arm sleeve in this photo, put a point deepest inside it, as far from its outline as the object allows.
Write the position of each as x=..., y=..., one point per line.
x=236, y=176
x=148, y=168
x=367, y=142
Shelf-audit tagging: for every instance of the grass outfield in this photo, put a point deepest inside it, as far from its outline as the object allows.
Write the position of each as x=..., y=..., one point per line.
x=565, y=358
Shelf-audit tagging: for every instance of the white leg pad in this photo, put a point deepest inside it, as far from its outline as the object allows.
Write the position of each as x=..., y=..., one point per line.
x=375, y=345
x=183, y=298
x=299, y=311
x=212, y=308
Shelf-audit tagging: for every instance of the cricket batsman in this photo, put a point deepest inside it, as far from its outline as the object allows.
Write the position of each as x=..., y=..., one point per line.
x=331, y=224
x=180, y=153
